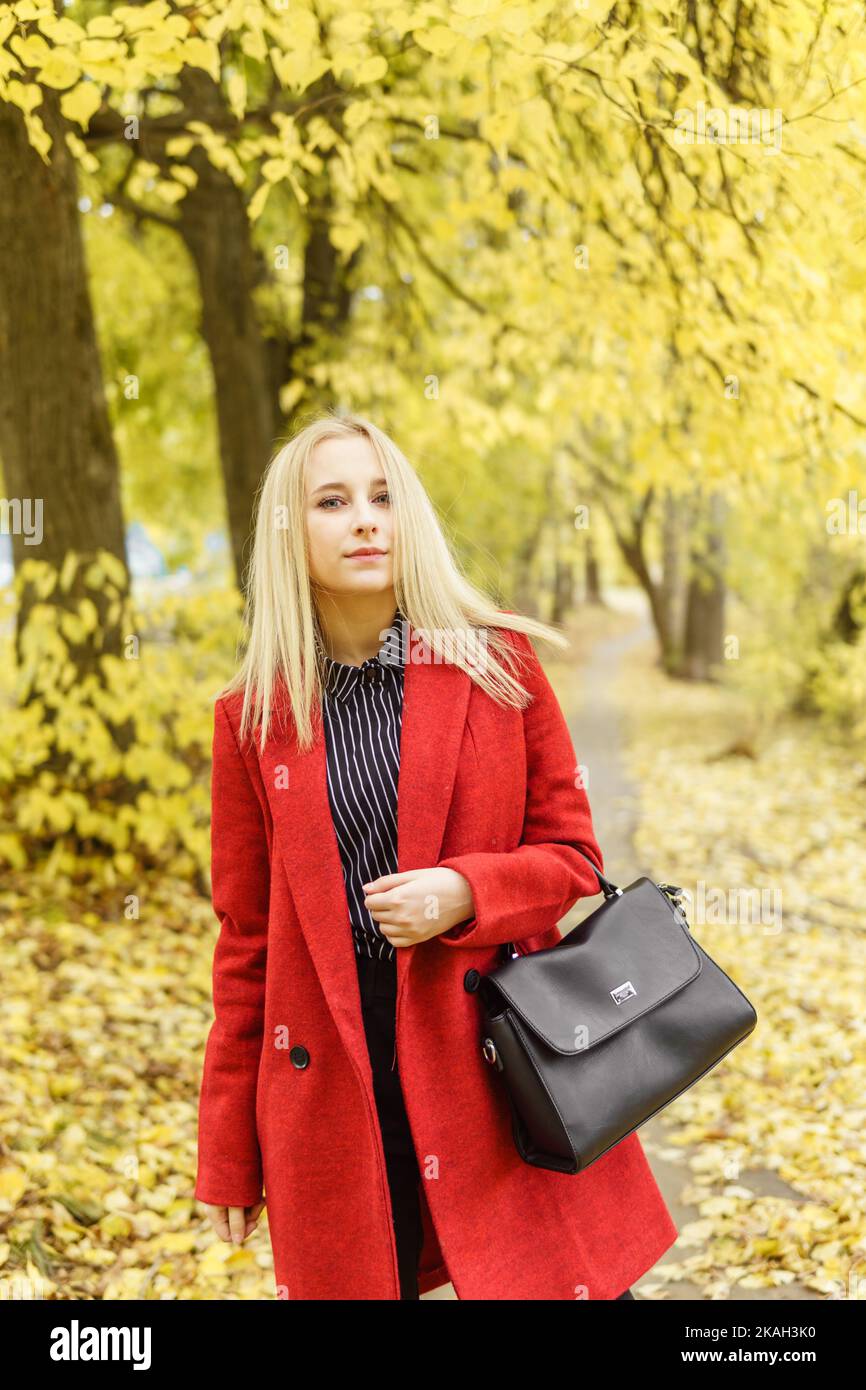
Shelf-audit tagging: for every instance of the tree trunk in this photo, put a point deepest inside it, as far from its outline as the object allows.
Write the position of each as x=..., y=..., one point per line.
x=563, y=575
x=703, y=647
x=252, y=360
x=672, y=597
x=215, y=227
x=592, y=574
x=849, y=617
x=631, y=547
x=55, y=437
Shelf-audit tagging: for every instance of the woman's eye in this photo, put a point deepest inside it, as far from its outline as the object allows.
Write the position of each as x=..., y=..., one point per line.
x=325, y=500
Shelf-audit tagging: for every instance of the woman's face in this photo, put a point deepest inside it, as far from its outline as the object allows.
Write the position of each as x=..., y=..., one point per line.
x=348, y=508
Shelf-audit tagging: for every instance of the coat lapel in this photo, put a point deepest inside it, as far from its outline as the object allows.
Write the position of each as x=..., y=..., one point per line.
x=435, y=702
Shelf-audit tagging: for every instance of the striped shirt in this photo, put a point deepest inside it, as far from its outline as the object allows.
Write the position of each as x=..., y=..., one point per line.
x=362, y=713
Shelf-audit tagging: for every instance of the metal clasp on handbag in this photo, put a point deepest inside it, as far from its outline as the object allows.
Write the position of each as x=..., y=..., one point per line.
x=674, y=895
x=488, y=1048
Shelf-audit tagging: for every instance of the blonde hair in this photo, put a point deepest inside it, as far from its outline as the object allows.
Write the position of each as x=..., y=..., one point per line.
x=280, y=613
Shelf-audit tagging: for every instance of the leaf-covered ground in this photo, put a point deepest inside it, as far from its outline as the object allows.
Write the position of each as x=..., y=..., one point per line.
x=771, y=848
x=104, y=1017
x=102, y=1030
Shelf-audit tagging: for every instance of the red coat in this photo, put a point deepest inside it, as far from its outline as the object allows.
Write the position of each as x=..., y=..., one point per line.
x=488, y=791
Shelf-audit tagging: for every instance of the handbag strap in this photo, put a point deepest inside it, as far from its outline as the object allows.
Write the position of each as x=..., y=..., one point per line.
x=609, y=889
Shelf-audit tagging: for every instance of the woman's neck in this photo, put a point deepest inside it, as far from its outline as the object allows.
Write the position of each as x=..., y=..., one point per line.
x=351, y=625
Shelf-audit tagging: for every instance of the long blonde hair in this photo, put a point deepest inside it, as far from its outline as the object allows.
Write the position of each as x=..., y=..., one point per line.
x=280, y=613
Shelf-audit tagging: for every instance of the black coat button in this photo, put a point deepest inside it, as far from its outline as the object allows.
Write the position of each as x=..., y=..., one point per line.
x=300, y=1056
x=471, y=981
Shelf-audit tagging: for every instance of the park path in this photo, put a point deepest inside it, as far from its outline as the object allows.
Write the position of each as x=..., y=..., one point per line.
x=597, y=729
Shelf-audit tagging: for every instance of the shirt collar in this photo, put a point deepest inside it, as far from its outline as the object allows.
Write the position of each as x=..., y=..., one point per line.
x=341, y=679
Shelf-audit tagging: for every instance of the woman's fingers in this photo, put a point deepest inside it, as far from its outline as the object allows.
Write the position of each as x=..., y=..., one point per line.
x=253, y=1214
x=235, y=1223
x=218, y=1217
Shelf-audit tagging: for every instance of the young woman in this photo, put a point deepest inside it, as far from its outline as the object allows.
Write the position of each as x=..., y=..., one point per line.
x=394, y=798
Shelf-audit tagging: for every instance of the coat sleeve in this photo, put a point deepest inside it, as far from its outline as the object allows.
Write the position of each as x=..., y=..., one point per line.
x=522, y=893
x=229, y=1158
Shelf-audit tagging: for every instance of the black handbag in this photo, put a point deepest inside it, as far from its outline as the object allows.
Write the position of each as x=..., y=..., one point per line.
x=600, y=1032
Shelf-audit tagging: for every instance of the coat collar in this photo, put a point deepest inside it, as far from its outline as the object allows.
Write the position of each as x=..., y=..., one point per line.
x=435, y=703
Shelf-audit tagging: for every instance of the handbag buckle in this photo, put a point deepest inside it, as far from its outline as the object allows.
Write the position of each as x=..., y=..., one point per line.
x=488, y=1048
x=674, y=896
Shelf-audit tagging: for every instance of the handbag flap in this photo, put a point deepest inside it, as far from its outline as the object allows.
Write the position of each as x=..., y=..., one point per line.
x=627, y=957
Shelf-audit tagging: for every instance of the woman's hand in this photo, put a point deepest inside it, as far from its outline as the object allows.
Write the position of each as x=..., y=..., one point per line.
x=419, y=904
x=234, y=1223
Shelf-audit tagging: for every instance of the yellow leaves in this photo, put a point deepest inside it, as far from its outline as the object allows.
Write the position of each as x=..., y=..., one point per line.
x=349, y=28
x=215, y=1258
x=401, y=21
x=145, y=169
x=60, y=31
x=8, y=64
x=236, y=89
x=253, y=44
x=184, y=174
x=169, y=191
x=45, y=812
x=104, y=27
x=386, y=184
x=256, y=205
x=179, y=1241
x=371, y=70
x=321, y=134
x=94, y=52
x=114, y=568
x=77, y=627
x=273, y=170
x=517, y=19
x=13, y=1184
x=298, y=70
x=220, y=1258
x=62, y=1084
x=96, y=1258
x=11, y=849
x=7, y=23
x=104, y=1025
x=356, y=115
x=347, y=235
x=59, y=68
x=68, y=571
x=176, y=148
x=26, y=95
x=500, y=126
x=116, y=1227
x=33, y=51
x=158, y=769
x=438, y=40
x=160, y=44
x=136, y=18
x=130, y=1283
x=81, y=103
x=202, y=53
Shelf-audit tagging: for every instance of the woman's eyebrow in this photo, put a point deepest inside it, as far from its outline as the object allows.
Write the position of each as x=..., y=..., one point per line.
x=329, y=487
